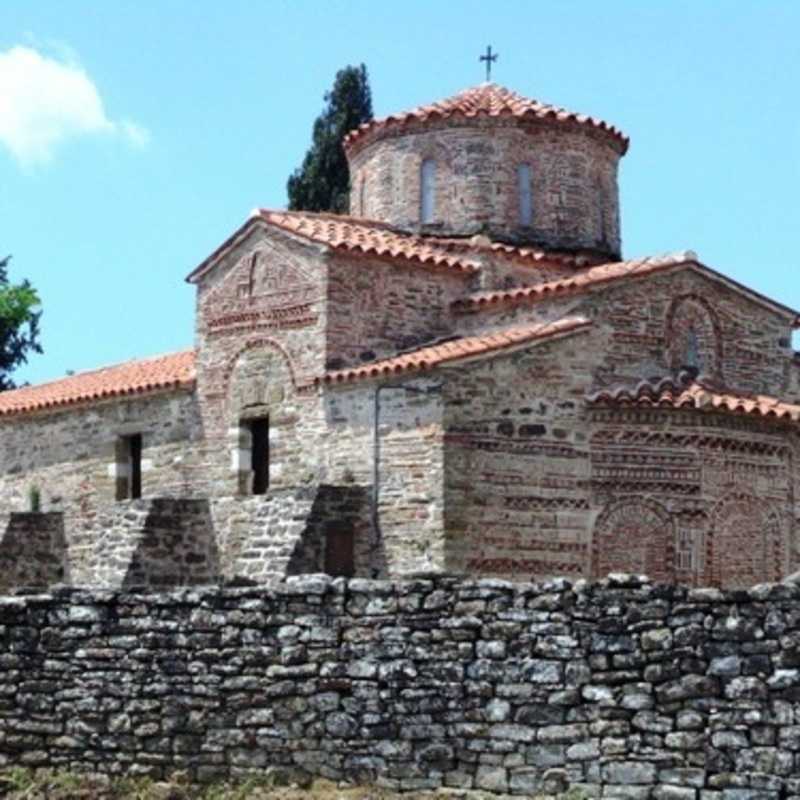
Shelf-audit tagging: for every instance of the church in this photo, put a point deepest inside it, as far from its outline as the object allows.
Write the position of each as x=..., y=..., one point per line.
x=462, y=375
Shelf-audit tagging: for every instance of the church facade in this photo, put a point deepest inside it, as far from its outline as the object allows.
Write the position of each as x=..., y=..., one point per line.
x=462, y=375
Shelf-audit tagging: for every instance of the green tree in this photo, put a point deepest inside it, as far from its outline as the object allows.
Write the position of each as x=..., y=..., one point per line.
x=322, y=183
x=19, y=324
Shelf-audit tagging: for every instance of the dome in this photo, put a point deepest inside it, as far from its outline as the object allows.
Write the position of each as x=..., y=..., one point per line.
x=491, y=161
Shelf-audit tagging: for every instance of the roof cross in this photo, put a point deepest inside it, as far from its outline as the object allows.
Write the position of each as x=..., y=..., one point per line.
x=488, y=58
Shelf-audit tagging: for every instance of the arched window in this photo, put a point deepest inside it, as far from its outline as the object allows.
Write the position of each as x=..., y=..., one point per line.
x=427, y=191
x=692, y=358
x=524, y=194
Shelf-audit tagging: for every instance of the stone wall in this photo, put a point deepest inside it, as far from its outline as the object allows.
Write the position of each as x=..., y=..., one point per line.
x=70, y=455
x=621, y=689
x=160, y=543
x=33, y=551
x=575, y=199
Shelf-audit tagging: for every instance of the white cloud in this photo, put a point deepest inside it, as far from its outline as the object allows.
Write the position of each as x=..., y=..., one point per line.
x=45, y=101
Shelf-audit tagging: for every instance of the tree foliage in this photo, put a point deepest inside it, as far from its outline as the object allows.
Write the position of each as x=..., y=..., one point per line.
x=19, y=324
x=322, y=183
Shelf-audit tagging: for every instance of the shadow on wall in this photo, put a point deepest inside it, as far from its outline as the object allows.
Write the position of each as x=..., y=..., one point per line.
x=177, y=546
x=33, y=551
x=338, y=536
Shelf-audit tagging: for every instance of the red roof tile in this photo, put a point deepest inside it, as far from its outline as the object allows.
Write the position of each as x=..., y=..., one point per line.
x=366, y=236
x=591, y=276
x=467, y=347
x=173, y=371
x=487, y=100
x=535, y=255
x=668, y=393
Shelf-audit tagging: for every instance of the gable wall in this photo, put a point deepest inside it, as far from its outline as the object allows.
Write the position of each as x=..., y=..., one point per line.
x=260, y=337
x=753, y=343
x=641, y=322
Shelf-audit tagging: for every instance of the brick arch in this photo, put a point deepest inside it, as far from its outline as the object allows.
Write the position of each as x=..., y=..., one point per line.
x=693, y=312
x=747, y=542
x=260, y=343
x=634, y=534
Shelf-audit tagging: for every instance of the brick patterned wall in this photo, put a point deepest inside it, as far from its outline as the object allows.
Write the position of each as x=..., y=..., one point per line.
x=260, y=336
x=642, y=324
x=574, y=183
x=537, y=485
x=377, y=308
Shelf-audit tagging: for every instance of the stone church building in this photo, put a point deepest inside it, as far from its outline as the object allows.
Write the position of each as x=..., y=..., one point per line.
x=461, y=375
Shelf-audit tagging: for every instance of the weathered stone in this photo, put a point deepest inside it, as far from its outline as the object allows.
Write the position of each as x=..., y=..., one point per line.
x=629, y=772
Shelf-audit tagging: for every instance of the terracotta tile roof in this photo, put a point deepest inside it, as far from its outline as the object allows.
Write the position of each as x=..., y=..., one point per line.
x=173, y=371
x=488, y=100
x=592, y=276
x=535, y=255
x=683, y=393
x=597, y=275
x=457, y=349
x=365, y=236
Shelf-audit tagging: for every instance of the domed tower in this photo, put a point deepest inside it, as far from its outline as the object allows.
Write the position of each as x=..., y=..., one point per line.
x=490, y=161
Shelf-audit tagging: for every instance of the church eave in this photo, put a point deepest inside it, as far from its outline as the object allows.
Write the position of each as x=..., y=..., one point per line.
x=602, y=275
x=458, y=351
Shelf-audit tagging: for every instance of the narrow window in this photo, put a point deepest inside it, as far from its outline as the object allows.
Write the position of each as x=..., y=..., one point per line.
x=339, y=555
x=361, y=197
x=129, y=467
x=524, y=194
x=692, y=359
x=685, y=558
x=427, y=191
x=259, y=432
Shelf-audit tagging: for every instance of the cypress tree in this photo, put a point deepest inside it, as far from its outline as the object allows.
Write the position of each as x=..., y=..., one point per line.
x=322, y=182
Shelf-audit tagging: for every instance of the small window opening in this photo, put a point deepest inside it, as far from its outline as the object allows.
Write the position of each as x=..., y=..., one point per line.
x=129, y=467
x=259, y=454
x=525, y=194
x=339, y=551
x=361, y=197
x=685, y=555
x=692, y=356
x=427, y=191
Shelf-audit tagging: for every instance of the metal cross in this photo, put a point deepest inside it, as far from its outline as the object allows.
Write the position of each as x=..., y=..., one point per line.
x=488, y=58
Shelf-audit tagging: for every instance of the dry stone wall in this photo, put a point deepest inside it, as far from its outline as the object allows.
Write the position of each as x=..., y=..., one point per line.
x=622, y=689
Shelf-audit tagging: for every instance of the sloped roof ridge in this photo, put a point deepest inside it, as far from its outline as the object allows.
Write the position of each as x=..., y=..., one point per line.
x=354, y=234
x=484, y=99
x=457, y=349
x=592, y=275
x=136, y=376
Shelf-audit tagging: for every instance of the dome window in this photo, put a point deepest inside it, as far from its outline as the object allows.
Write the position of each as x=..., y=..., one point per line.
x=524, y=194
x=427, y=191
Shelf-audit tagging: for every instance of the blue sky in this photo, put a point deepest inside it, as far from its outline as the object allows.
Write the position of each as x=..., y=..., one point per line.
x=136, y=136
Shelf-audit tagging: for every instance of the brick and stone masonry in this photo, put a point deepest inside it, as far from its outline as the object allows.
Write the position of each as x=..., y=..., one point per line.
x=461, y=375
